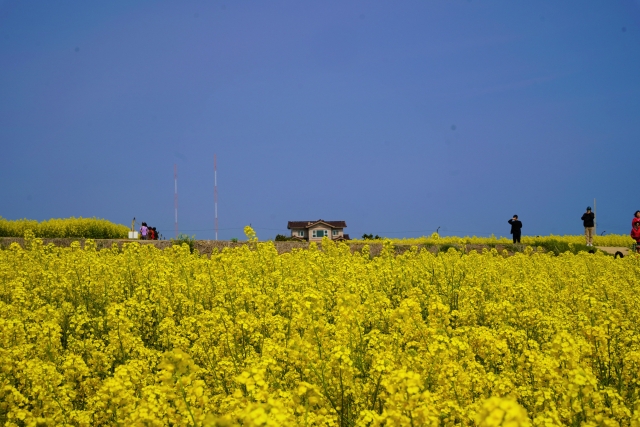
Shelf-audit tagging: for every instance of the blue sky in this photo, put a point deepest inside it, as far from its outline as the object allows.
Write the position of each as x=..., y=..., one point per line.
x=397, y=117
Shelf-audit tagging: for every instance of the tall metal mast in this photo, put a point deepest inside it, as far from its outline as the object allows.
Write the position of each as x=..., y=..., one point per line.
x=215, y=192
x=595, y=221
x=175, y=194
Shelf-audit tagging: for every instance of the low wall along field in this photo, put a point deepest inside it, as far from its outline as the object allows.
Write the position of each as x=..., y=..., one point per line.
x=254, y=336
x=208, y=247
x=555, y=244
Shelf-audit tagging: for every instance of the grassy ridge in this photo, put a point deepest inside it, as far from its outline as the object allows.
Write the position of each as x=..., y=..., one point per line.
x=535, y=241
x=93, y=228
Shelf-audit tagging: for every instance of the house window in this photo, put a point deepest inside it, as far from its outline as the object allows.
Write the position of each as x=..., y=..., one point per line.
x=319, y=233
x=301, y=233
x=335, y=232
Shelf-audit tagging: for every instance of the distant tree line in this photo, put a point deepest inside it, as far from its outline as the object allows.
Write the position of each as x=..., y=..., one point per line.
x=370, y=237
x=283, y=238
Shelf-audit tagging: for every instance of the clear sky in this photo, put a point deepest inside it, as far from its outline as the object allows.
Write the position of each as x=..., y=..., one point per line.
x=396, y=117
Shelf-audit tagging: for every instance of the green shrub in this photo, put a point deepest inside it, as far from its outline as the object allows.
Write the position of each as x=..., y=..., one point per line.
x=185, y=239
x=283, y=238
x=446, y=247
x=560, y=246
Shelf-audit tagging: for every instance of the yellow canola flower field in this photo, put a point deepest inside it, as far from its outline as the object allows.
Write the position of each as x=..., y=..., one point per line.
x=148, y=337
x=92, y=228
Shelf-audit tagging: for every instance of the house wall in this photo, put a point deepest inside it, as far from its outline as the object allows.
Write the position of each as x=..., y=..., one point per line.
x=294, y=232
x=327, y=229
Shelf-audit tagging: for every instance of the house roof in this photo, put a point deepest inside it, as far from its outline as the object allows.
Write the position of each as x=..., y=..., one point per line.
x=309, y=224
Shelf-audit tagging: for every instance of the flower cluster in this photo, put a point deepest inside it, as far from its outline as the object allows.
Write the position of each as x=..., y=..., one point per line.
x=142, y=336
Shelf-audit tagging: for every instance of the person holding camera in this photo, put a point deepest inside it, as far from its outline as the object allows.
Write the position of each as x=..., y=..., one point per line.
x=588, y=219
x=516, y=228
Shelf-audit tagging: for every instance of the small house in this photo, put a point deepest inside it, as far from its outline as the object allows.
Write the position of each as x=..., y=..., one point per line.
x=314, y=231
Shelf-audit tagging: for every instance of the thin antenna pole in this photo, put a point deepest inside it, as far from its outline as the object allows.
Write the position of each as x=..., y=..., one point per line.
x=175, y=194
x=215, y=191
x=595, y=220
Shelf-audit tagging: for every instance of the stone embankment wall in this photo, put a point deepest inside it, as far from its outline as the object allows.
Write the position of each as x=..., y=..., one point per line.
x=203, y=246
x=209, y=246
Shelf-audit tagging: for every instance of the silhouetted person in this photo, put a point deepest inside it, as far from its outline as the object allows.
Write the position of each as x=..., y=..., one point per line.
x=588, y=219
x=516, y=228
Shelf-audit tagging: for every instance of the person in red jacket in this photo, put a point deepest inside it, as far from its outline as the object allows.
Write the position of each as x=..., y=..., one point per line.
x=635, y=230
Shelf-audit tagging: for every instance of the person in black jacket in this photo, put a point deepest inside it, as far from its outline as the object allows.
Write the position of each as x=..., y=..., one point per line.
x=516, y=227
x=588, y=219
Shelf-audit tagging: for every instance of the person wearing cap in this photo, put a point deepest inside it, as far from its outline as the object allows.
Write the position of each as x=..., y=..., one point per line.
x=516, y=228
x=588, y=219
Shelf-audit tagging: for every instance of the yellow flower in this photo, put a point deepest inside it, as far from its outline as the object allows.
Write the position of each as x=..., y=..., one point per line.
x=251, y=235
x=504, y=412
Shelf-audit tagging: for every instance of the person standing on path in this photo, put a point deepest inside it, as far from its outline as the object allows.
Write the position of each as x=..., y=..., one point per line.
x=588, y=219
x=516, y=228
x=143, y=231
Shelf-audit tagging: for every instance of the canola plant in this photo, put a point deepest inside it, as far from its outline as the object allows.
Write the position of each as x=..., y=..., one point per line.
x=148, y=337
